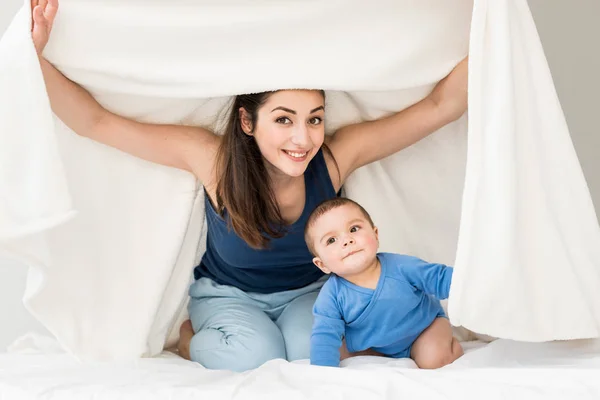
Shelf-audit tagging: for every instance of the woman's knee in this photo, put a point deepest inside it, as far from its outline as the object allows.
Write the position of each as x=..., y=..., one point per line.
x=232, y=335
x=240, y=351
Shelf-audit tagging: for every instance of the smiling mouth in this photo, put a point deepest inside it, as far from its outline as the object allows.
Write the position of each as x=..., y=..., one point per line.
x=296, y=155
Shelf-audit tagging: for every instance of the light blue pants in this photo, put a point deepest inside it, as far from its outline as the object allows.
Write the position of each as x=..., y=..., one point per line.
x=238, y=331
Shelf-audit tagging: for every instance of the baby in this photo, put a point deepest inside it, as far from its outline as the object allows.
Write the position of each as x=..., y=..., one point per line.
x=381, y=301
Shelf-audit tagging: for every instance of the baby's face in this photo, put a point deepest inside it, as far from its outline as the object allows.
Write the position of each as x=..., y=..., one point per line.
x=344, y=241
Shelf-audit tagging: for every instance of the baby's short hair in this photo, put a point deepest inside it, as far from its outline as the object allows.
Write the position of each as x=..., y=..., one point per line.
x=324, y=208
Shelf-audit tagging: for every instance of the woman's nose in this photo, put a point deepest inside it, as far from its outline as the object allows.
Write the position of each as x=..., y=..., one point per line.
x=300, y=136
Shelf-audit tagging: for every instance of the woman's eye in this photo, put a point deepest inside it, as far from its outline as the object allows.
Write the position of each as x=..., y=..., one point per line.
x=354, y=228
x=283, y=120
x=330, y=240
x=315, y=120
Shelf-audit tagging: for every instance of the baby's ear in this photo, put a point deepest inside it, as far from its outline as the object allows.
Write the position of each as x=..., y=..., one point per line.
x=376, y=233
x=317, y=261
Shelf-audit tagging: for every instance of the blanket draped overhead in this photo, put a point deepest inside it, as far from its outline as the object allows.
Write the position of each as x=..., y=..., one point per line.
x=111, y=240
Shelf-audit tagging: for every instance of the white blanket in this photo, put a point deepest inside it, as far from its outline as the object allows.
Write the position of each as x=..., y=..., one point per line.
x=500, y=370
x=110, y=282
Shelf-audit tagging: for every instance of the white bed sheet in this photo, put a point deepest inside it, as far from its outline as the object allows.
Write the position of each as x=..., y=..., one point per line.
x=500, y=370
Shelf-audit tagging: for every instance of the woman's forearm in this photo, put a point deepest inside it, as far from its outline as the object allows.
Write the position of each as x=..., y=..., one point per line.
x=70, y=102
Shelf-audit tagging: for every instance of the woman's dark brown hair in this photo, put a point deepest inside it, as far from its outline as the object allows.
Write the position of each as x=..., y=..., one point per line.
x=244, y=187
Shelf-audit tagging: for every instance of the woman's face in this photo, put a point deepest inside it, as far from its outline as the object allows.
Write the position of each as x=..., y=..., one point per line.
x=290, y=130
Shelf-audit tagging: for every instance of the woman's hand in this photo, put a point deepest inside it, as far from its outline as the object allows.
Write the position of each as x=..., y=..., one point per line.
x=43, y=13
x=450, y=94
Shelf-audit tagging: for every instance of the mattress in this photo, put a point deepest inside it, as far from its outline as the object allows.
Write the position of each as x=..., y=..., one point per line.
x=498, y=370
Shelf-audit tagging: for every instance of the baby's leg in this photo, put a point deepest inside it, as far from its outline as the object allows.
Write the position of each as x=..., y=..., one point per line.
x=436, y=346
x=344, y=353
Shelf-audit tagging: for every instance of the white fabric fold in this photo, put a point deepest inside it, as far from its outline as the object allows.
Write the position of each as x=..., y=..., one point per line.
x=528, y=260
x=111, y=282
x=34, y=195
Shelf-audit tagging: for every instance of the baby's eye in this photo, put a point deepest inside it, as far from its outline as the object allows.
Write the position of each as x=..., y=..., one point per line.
x=354, y=228
x=283, y=120
x=331, y=240
x=315, y=120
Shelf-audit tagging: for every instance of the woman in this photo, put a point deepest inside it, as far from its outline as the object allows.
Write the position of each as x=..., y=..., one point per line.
x=256, y=284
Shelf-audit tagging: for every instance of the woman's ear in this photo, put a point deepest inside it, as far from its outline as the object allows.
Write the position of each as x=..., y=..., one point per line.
x=245, y=121
x=317, y=261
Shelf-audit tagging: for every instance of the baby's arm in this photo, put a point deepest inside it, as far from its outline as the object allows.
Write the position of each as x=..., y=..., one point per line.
x=433, y=279
x=328, y=330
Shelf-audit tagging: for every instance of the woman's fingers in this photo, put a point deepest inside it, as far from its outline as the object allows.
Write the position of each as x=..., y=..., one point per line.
x=50, y=11
x=39, y=34
x=38, y=16
x=39, y=19
x=47, y=9
x=43, y=14
x=33, y=4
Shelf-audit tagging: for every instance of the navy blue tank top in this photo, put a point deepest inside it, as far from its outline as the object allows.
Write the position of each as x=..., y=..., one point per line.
x=285, y=265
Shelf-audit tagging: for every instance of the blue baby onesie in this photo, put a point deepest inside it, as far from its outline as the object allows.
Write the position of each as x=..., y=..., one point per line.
x=388, y=319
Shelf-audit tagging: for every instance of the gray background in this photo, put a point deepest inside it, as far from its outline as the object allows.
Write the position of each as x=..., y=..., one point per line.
x=571, y=37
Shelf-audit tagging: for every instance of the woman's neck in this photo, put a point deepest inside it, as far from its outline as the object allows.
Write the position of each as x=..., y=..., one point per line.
x=281, y=182
x=290, y=195
x=278, y=179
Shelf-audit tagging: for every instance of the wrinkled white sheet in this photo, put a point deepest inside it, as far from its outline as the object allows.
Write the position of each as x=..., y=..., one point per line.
x=500, y=370
x=110, y=282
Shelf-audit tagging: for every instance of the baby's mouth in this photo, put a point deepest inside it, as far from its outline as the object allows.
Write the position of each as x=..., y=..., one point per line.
x=351, y=253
